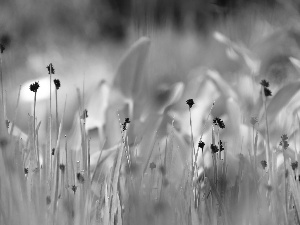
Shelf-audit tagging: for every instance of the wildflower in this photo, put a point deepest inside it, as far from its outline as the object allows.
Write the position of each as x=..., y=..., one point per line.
x=264, y=83
x=53, y=151
x=253, y=120
x=218, y=122
x=152, y=166
x=294, y=165
x=125, y=123
x=2, y=48
x=201, y=144
x=57, y=83
x=26, y=170
x=221, y=146
x=74, y=188
x=80, y=178
x=214, y=148
x=264, y=163
x=51, y=69
x=284, y=143
x=267, y=92
x=190, y=102
x=62, y=167
x=34, y=87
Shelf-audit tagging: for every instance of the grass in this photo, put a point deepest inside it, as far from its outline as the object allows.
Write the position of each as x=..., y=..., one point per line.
x=158, y=178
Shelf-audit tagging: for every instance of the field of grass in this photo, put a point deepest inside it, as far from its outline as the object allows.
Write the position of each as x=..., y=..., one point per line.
x=201, y=150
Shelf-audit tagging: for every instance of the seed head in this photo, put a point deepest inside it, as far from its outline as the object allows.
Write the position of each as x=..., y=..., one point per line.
x=201, y=144
x=57, y=83
x=265, y=83
x=264, y=164
x=34, y=87
x=214, y=148
x=62, y=167
x=152, y=166
x=267, y=92
x=221, y=146
x=218, y=122
x=190, y=102
x=294, y=165
x=284, y=141
x=50, y=69
x=80, y=178
x=74, y=188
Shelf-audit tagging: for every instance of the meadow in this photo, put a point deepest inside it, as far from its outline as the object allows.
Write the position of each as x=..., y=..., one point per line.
x=213, y=147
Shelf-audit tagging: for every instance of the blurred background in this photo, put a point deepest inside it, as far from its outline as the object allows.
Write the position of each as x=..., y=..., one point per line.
x=86, y=39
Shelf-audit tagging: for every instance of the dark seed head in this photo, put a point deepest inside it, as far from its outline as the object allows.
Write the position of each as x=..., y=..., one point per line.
x=294, y=165
x=190, y=102
x=50, y=69
x=264, y=164
x=80, y=178
x=34, y=87
x=57, y=83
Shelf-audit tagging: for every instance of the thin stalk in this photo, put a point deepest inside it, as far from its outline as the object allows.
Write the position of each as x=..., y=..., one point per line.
x=16, y=112
x=1, y=78
x=56, y=109
x=34, y=137
x=285, y=185
x=50, y=127
x=268, y=145
x=192, y=140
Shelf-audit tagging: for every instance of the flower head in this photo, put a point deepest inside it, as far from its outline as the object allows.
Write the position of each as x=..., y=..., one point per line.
x=201, y=144
x=190, y=102
x=152, y=166
x=294, y=165
x=80, y=178
x=125, y=123
x=74, y=188
x=221, y=146
x=218, y=122
x=267, y=92
x=51, y=69
x=264, y=83
x=34, y=87
x=284, y=141
x=62, y=167
x=57, y=83
x=214, y=148
x=264, y=164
